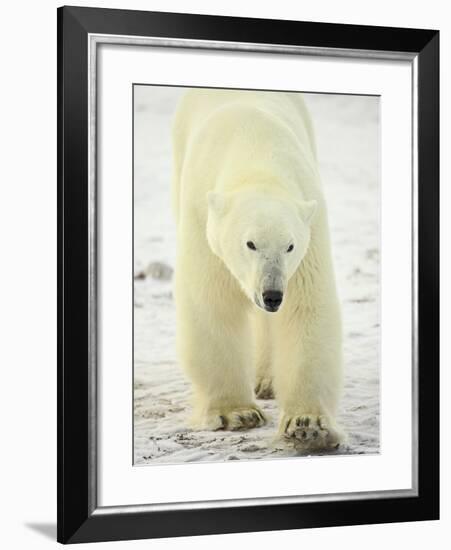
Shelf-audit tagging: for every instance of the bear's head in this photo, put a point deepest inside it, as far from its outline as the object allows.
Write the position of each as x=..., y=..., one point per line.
x=261, y=239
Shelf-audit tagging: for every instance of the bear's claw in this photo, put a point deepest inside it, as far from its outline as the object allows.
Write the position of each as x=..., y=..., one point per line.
x=311, y=432
x=243, y=419
x=237, y=419
x=264, y=389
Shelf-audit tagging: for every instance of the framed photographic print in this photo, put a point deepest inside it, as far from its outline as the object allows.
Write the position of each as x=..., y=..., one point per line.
x=248, y=288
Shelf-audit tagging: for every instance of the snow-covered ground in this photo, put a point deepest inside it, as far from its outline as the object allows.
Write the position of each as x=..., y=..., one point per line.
x=347, y=130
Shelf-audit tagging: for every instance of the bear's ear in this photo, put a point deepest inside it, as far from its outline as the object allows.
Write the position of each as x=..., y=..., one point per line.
x=216, y=202
x=307, y=210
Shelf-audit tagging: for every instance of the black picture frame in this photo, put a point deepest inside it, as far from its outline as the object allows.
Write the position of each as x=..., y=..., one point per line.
x=79, y=518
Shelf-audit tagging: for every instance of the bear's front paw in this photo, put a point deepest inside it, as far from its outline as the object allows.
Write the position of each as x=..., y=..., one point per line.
x=310, y=432
x=263, y=388
x=236, y=419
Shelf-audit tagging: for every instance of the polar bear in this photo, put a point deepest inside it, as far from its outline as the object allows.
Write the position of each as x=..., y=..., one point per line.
x=256, y=299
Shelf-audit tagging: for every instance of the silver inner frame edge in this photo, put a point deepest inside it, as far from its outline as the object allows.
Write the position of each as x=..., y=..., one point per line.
x=93, y=41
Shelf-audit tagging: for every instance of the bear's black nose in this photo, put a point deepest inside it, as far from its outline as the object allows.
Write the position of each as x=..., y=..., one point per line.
x=272, y=299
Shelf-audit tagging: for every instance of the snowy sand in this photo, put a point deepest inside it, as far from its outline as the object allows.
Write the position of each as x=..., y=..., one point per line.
x=347, y=131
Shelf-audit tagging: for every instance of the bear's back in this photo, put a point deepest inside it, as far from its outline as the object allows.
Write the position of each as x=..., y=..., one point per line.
x=197, y=105
x=231, y=109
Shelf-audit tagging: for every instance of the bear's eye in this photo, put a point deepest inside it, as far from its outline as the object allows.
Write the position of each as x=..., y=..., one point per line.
x=290, y=248
x=251, y=245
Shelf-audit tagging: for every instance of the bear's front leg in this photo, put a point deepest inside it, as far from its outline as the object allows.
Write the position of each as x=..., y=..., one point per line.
x=215, y=350
x=262, y=355
x=308, y=375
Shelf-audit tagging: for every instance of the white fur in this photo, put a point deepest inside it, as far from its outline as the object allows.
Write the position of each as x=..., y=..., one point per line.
x=245, y=171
